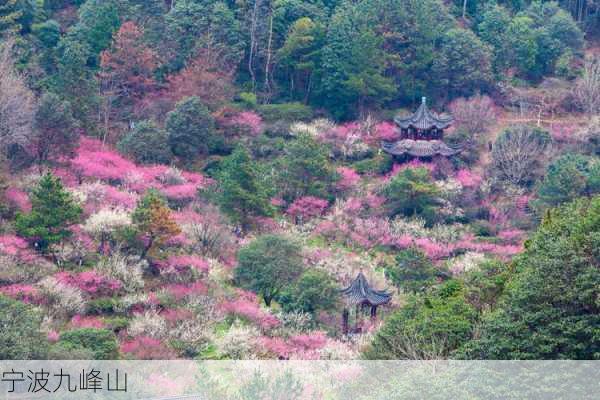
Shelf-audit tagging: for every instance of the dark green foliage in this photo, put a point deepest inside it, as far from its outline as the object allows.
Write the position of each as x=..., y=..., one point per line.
x=567, y=178
x=16, y=16
x=193, y=24
x=462, y=64
x=190, y=129
x=411, y=192
x=146, y=143
x=268, y=265
x=103, y=305
x=353, y=72
x=485, y=284
x=56, y=133
x=305, y=170
x=314, y=291
x=53, y=210
x=101, y=343
x=380, y=164
x=242, y=194
x=413, y=272
x=428, y=328
x=286, y=111
x=77, y=83
x=550, y=308
x=300, y=56
x=20, y=336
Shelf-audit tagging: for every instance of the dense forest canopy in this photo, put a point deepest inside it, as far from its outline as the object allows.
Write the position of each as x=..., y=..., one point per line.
x=200, y=178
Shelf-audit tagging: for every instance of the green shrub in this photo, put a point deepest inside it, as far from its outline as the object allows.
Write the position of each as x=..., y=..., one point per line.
x=20, y=335
x=286, y=111
x=380, y=164
x=102, y=343
x=103, y=305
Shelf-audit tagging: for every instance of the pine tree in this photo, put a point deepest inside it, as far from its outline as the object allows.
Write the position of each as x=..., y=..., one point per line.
x=10, y=13
x=243, y=195
x=53, y=210
x=153, y=219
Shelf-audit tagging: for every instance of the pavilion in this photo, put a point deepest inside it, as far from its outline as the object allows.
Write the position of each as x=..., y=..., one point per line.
x=421, y=134
x=360, y=294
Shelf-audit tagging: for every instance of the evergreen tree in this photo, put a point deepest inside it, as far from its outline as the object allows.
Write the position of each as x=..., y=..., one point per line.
x=56, y=135
x=427, y=328
x=242, y=193
x=412, y=272
x=190, y=129
x=268, y=265
x=53, y=210
x=146, y=143
x=411, y=193
x=550, y=307
x=463, y=64
x=21, y=337
x=152, y=218
x=305, y=170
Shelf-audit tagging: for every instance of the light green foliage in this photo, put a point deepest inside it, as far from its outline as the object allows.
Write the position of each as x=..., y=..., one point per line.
x=53, y=210
x=412, y=272
x=268, y=265
x=428, y=327
x=242, y=193
x=410, y=193
x=100, y=343
x=550, y=308
x=314, y=291
x=146, y=144
x=305, y=170
x=20, y=336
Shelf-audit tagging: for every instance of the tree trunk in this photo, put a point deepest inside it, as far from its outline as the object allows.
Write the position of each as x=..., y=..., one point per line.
x=464, y=10
x=268, y=62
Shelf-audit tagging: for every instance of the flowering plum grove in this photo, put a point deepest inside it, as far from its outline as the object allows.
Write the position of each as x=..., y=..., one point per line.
x=186, y=180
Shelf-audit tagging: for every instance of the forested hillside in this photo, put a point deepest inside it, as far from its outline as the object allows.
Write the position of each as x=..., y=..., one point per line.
x=201, y=179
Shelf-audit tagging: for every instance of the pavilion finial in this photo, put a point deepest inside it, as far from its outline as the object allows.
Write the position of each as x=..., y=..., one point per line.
x=423, y=99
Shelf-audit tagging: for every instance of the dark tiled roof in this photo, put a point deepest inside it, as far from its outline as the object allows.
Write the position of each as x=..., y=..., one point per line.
x=419, y=148
x=360, y=292
x=424, y=118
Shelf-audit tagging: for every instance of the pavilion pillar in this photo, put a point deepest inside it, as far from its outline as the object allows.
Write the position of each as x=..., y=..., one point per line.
x=345, y=317
x=373, y=312
x=357, y=318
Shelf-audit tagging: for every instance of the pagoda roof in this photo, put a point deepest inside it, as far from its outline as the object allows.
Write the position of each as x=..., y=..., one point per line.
x=360, y=292
x=419, y=148
x=424, y=118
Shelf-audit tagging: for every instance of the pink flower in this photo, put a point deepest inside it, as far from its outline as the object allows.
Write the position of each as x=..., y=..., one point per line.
x=53, y=336
x=17, y=247
x=468, y=178
x=25, y=293
x=176, y=314
x=348, y=178
x=186, y=191
x=250, y=310
x=79, y=321
x=246, y=122
x=307, y=207
x=90, y=282
x=386, y=131
x=95, y=161
x=181, y=291
x=185, y=262
x=18, y=198
x=146, y=348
